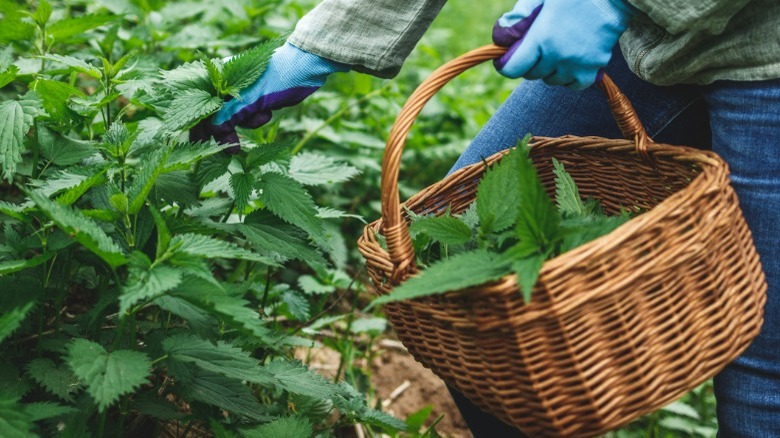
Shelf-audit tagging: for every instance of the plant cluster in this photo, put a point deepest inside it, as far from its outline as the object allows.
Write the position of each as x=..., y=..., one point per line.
x=142, y=274
x=152, y=285
x=513, y=226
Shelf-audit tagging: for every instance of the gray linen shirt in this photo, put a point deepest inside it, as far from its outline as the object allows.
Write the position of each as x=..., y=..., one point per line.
x=671, y=42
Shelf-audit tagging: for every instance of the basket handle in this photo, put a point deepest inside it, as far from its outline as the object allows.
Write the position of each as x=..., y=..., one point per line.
x=399, y=242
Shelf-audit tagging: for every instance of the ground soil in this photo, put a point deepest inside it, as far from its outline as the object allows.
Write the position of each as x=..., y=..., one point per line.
x=390, y=370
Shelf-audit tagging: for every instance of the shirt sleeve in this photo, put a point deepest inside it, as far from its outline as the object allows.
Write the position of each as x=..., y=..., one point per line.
x=679, y=16
x=373, y=36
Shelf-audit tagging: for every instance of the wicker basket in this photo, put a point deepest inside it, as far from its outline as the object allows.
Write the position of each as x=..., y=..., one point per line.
x=616, y=328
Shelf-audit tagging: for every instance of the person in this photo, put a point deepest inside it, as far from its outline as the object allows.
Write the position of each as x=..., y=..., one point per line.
x=704, y=73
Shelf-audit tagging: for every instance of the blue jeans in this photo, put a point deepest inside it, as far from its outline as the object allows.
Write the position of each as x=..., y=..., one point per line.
x=738, y=120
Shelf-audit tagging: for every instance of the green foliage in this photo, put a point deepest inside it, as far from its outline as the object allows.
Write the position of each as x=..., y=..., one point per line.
x=286, y=427
x=454, y=273
x=242, y=70
x=444, y=229
x=287, y=198
x=14, y=420
x=120, y=239
x=83, y=229
x=314, y=169
x=510, y=196
x=106, y=375
x=11, y=320
x=189, y=107
x=567, y=195
x=55, y=379
x=17, y=117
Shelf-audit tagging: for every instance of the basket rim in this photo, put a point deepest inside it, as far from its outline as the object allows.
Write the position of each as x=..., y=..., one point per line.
x=713, y=173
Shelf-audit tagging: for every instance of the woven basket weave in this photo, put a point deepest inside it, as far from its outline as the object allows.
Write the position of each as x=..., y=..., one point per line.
x=616, y=328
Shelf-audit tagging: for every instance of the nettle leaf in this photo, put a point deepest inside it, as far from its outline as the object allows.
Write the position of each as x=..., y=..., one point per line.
x=107, y=376
x=188, y=77
x=55, y=95
x=267, y=232
x=214, y=69
x=231, y=361
x=206, y=246
x=312, y=286
x=14, y=421
x=6, y=55
x=11, y=266
x=11, y=320
x=189, y=107
x=537, y=219
x=56, y=182
x=198, y=320
x=73, y=194
x=212, y=168
x=287, y=199
x=242, y=70
x=311, y=168
x=42, y=13
x=285, y=427
x=73, y=26
x=498, y=195
x=222, y=358
x=148, y=284
x=8, y=75
x=76, y=64
x=295, y=377
x=242, y=184
x=527, y=270
x=176, y=188
x=146, y=177
x=235, y=312
x=297, y=305
x=12, y=210
x=62, y=150
x=567, y=195
x=578, y=231
x=16, y=30
x=217, y=390
x=188, y=153
x=16, y=123
x=57, y=380
x=163, y=234
x=445, y=229
x=149, y=130
x=84, y=230
x=46, y=410
x=266, y=153
x=382, y=419
x=452, y=274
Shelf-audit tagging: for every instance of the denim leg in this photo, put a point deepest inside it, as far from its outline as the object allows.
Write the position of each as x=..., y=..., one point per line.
x=674, y=115
x=745, y=119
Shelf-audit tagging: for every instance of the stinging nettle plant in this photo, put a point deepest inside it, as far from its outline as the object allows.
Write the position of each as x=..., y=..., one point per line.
x=142, y=274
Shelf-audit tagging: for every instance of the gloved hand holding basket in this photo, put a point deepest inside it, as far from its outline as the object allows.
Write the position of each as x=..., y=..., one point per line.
x=617, y=327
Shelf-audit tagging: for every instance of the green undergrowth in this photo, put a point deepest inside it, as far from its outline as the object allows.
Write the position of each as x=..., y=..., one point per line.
x=156, y=286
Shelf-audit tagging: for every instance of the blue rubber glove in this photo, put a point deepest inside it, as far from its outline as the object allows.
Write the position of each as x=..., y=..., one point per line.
x=564, y=42
x=292, y=75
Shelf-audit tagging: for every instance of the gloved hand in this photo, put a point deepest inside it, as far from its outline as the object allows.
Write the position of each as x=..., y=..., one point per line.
x=564, y=42
x=291, y=76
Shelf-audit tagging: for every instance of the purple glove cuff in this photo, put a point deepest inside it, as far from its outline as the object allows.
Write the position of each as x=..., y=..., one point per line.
x=507, y=36
x=252, y=116
x=512, y=36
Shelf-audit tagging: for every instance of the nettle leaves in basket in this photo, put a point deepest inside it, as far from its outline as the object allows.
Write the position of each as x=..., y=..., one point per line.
x=512, y=227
